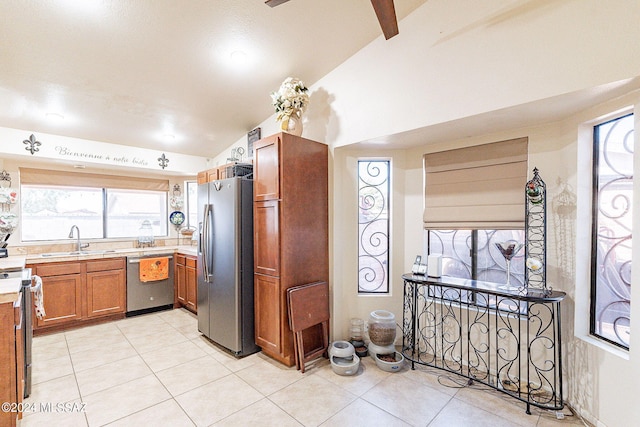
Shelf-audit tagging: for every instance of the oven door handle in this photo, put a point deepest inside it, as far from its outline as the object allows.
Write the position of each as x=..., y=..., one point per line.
x=137, y=260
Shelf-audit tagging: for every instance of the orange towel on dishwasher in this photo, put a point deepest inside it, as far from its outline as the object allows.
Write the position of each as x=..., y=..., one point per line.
x=153, y=269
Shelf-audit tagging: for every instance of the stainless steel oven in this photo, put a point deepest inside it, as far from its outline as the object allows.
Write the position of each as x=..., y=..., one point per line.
x=145, y=297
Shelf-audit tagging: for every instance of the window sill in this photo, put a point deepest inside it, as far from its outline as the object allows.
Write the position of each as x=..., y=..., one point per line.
x=589, y=339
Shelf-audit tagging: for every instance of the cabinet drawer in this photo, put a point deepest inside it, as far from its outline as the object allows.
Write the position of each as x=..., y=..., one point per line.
x=58, y=269
x=105, y=265
x=180, y=259
x=190, y=262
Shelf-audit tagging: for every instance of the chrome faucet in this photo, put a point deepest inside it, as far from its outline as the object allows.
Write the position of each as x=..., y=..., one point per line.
x=80, y=246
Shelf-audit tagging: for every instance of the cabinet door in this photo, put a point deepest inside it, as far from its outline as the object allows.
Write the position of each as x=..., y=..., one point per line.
x=181, y=280
x=266, y=169
x=202, y=177
x=267, y=313
x=106, y=293
x=266, y=241
x=191, y=284
x=20, y=381
x=62, y=299
x=7, y=362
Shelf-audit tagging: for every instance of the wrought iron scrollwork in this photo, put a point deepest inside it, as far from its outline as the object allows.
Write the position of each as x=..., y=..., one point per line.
x=536, y=233
x=613, y=203
x=373, y=226
x=506, y=340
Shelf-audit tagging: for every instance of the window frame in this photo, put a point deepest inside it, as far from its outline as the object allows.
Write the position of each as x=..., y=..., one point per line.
x=594, y=284
x=387, y=262
x=104, y=213
x=474, y=270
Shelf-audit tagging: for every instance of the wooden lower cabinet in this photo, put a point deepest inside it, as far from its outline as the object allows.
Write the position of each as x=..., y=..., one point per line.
x=187, y=282
x=268, y=333
x=106, y=289
x=79, y=291
x=192, y=284
x=11, y=350
x=62, y=289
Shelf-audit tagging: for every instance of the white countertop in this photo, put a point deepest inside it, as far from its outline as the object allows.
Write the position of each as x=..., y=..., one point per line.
x=14, y=262
x=89, y=254
x=10, y=289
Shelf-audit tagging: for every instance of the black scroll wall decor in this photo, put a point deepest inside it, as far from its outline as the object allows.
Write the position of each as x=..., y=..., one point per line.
x=163, y=162
x=32, y=144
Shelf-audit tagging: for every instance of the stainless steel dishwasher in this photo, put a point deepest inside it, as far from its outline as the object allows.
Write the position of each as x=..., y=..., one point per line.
x=145, y=297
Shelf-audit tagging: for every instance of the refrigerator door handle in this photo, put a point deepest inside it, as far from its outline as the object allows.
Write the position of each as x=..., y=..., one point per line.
x=204, y=243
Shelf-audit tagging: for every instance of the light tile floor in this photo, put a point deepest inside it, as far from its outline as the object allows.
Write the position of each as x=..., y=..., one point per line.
x=157, y=370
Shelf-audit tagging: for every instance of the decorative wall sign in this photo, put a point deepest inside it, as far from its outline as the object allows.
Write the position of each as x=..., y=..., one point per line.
x=32, y=144
x=49, y=147
x=163, y=161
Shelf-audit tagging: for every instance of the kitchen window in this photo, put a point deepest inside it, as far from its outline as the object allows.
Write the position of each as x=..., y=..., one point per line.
x=49, y=212
x=102, y=207
x=612, y=219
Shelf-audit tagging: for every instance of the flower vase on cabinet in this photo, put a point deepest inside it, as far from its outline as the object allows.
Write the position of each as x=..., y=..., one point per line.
x=292, y=124
x=290, y=101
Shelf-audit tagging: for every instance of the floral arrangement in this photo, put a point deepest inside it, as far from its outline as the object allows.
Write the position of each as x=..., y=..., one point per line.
x=290, y=99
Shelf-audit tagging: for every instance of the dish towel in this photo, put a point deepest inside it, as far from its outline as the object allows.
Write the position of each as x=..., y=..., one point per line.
x=38, y=296
x=154, y=269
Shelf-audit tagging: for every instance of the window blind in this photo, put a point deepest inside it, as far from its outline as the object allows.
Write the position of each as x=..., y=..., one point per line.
x=82, y=179
x=480, y=187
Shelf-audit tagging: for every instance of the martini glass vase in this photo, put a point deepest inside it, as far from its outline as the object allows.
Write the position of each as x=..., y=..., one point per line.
x=508, y=250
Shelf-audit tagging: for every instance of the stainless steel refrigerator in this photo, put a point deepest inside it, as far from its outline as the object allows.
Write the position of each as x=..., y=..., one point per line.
x=225, y=264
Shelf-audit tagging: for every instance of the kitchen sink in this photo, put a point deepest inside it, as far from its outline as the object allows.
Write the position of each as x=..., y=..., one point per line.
x=76, y=253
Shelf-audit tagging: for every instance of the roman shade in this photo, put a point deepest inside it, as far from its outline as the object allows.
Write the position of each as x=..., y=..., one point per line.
x=81, y=179
x=480, y=187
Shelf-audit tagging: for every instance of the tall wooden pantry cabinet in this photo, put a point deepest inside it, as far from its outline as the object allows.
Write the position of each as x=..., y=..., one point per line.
x=291, y=244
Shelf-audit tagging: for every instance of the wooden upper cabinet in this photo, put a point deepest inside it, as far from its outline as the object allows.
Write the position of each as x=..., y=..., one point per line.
x=208, y=175
x=266, y=170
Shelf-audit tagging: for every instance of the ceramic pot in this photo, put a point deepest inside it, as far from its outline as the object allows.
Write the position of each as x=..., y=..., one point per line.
x=292, y=124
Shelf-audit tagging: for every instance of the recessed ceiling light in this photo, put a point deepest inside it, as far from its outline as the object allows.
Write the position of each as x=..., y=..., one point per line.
x=238, y=57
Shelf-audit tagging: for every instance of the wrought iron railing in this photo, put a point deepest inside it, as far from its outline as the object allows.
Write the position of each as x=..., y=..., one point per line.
x=510, y=341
